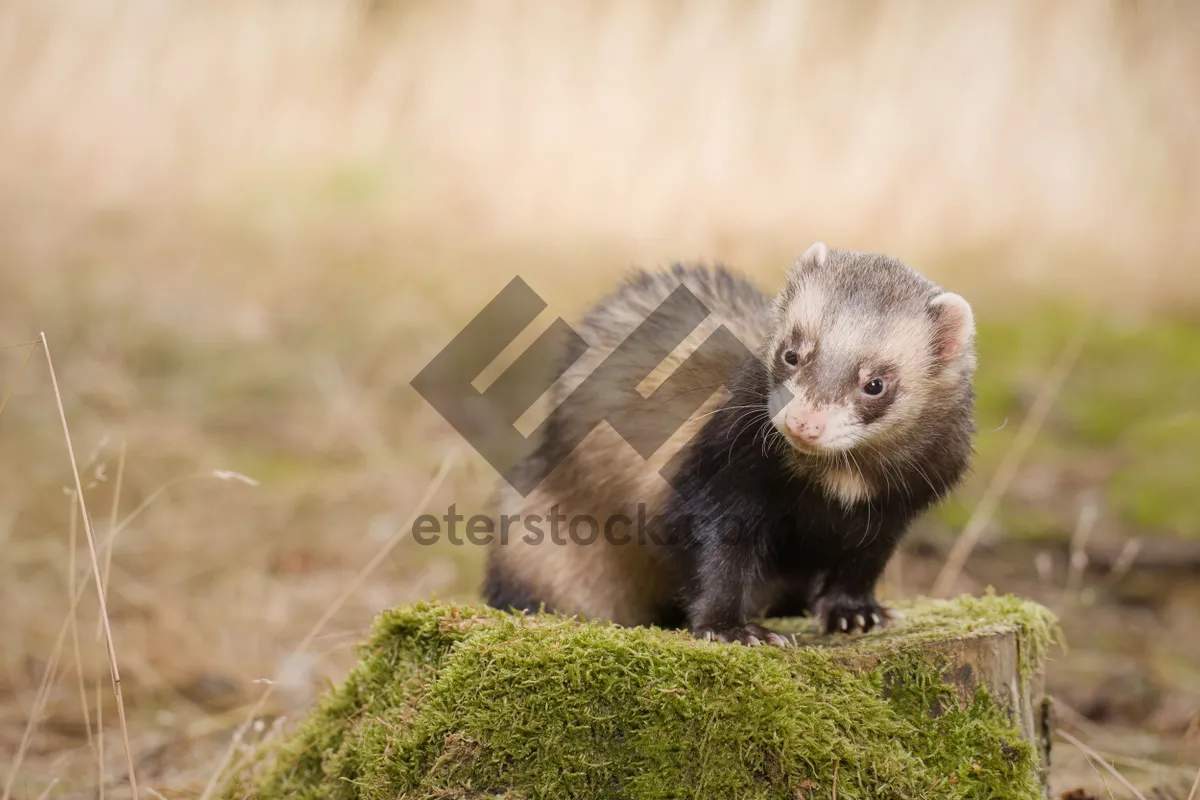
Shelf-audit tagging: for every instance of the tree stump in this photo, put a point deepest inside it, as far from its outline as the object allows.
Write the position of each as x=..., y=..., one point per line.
x=469, y=702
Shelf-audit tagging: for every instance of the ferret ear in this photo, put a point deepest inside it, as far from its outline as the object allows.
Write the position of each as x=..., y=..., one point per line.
x=815, y=256
x=954, y=325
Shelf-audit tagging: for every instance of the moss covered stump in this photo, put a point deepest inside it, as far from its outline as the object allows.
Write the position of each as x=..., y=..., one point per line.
x=468, y=702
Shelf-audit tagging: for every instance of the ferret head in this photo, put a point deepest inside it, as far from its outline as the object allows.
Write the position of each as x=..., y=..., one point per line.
x=864, y=351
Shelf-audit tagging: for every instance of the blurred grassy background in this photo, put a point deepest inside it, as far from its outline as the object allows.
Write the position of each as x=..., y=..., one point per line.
x=244, y=226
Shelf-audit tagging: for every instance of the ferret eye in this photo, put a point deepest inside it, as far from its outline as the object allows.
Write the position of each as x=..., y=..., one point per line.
x=874, y=387
x=790, y=357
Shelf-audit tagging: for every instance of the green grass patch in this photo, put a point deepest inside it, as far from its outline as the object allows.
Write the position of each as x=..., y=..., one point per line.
x=1127, y=421
x=466, y=702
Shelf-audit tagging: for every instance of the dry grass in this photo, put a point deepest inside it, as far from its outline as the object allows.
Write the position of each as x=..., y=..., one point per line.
x=1095, y=758
x=742, y=129
x=247, y=225
x=985, y=511
x=113, y=666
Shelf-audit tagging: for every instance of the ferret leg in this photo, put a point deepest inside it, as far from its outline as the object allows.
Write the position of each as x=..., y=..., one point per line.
x=847, y=601
x=719, y=610
x=501, y=590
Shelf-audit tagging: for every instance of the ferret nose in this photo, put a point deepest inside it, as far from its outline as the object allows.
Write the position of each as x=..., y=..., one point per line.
x=806, y=425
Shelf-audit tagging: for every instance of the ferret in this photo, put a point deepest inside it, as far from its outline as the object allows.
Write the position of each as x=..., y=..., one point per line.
x=832, y=416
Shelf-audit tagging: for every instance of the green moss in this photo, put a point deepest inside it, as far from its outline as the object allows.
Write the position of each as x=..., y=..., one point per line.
x=467, y=702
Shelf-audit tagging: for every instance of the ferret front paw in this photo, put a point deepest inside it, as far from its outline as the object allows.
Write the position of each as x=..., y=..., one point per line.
x=844, y=614
x=748, y=634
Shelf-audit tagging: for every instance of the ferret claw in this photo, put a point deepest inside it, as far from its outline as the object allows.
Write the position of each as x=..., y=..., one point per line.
x=847, y=614
x=749, y=634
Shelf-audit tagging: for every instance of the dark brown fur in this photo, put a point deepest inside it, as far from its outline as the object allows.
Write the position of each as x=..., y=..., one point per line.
x=747, y=526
